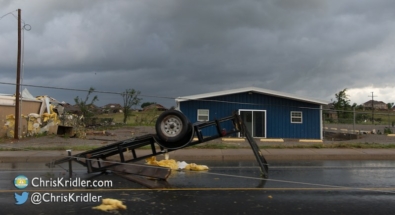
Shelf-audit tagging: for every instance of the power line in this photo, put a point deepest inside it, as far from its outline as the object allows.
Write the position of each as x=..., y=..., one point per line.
x=163, y=97
x=12, y=13
x=61, y=88
x=25, y=26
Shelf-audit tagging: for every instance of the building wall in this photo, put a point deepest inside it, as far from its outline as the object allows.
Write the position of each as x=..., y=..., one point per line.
x=278, y=113
x=27, y=107
x=376, y=105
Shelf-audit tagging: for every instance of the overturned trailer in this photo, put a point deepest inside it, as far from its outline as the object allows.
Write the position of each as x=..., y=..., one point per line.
x=173, y=132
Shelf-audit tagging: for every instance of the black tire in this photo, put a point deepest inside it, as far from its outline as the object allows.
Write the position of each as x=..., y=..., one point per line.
x=179, y=144
x=172, y=126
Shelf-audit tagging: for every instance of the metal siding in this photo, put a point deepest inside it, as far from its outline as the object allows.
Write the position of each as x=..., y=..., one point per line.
x=278, y=113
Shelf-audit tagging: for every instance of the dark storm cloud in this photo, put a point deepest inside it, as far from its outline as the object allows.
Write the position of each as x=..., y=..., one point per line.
x=177, y=48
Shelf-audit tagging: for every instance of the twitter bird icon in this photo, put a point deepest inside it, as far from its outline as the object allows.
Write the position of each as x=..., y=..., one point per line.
x=20, y=199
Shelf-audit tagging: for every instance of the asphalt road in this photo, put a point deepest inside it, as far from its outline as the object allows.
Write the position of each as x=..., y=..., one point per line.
x=324, y=187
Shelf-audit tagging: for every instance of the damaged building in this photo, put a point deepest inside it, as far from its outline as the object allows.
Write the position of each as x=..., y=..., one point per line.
x=39, y=115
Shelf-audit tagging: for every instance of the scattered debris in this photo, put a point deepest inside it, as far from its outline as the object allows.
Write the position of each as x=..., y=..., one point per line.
x=9, y=125
x=195, y=167
x=100, y=133
x=182, y=164
x=33, y=124
x=171, y=163
x=176, y=165
x=49, y=118
x=110, y=204
x=72, y=125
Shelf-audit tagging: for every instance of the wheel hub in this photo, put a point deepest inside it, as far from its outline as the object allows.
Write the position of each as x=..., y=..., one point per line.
x=171, y=126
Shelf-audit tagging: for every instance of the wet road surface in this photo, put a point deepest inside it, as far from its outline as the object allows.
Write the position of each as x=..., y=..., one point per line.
x=324, y=187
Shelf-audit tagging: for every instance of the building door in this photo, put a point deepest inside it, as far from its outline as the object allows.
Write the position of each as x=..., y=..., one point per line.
x=255, y=121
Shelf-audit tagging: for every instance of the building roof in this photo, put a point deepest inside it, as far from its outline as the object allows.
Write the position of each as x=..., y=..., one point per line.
x=154, y=106
x=112, y=105
x=10, y=100
x=375, y=102
x=251, y=89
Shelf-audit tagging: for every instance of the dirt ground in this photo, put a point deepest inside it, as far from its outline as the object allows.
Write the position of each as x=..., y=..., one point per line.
x=93, y=138
x=99, y=138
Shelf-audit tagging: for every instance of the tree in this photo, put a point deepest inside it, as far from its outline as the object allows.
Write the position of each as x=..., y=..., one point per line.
x=145, y=104
x=342, y=103
x=84, y=107
x=130, y=99
x=390, y=105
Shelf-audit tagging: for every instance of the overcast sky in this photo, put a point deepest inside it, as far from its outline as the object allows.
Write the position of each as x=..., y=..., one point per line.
x=172, y=48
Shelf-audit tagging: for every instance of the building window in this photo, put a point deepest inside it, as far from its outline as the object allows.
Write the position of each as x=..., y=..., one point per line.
x=202, y=115
x=296, y=117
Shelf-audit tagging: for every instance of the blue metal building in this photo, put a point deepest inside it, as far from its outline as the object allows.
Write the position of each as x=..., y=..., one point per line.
x=266, y=113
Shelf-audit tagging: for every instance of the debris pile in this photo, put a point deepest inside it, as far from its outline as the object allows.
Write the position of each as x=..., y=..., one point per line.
x=176, y=165
x=9, y=125
x=49, y=117
x=73, y=123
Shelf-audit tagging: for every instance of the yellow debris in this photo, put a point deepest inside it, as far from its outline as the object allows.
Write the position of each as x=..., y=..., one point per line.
x=10, y=121
x=172, y=164
x=195, y=167
x=33, y=124
x=47, y=116
x=9, y=125
x=110, y=204
x=152, y=161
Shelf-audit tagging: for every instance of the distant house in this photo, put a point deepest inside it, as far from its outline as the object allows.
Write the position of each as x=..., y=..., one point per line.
x=154, y=106
x=112, y=108
x=72, y=109
x=94, y=109
x=75, y=109
x=329, y=111
x=379, y=105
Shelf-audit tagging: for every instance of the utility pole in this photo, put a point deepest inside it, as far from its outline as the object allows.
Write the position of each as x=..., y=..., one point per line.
x=372, y=108
x=18, y=79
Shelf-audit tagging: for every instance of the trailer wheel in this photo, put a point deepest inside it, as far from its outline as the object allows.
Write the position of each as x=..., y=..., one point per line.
x=171, y=126
x=178, y=144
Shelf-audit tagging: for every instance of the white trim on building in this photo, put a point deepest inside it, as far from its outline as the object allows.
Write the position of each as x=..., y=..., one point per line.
x=253, y=90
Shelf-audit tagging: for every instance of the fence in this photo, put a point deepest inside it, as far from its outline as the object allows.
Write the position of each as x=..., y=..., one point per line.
x=377, y=122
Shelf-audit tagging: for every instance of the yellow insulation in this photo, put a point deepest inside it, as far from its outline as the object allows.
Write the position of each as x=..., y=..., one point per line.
x=110, y=204
x=173, y=164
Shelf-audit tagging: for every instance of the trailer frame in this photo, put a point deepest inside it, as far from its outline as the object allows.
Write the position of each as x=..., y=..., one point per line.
x=98, y=155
